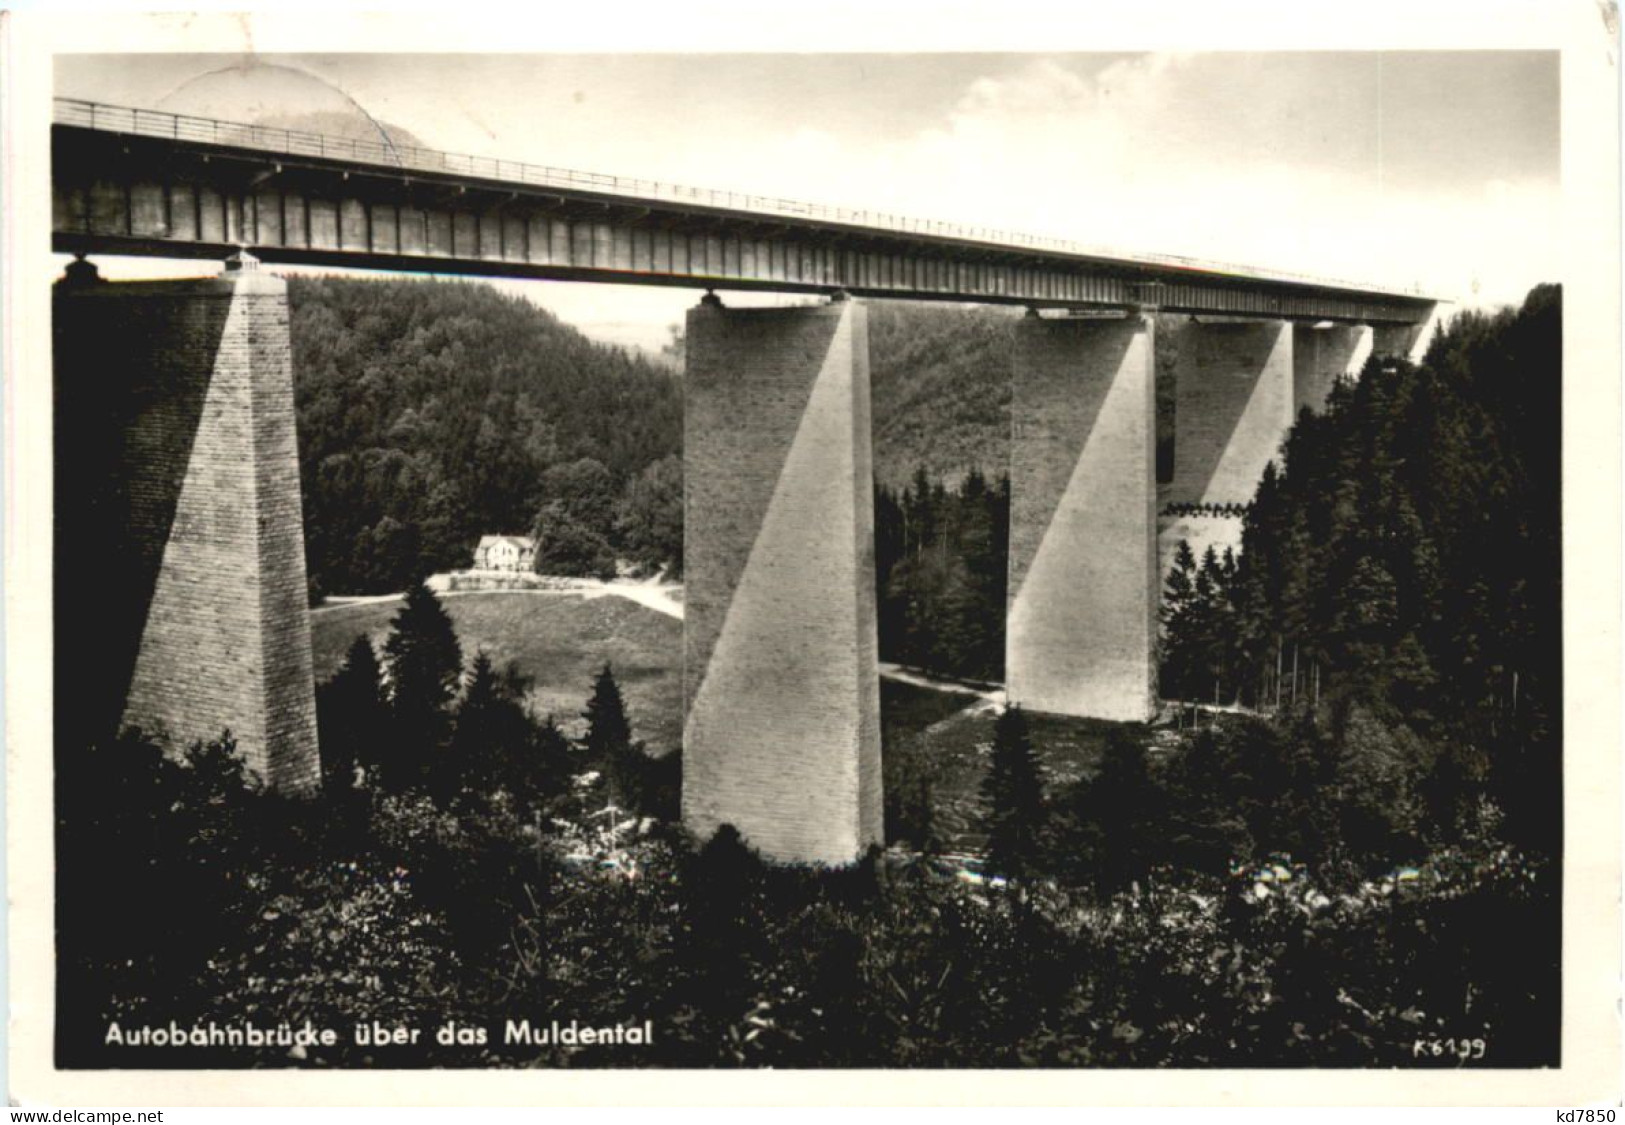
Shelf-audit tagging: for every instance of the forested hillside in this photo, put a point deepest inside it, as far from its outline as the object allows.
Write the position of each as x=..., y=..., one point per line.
x=940, y=381
x=433, y=413
x=430, y=414
x=941, y=555
x=941, y=386
x=1401, y=573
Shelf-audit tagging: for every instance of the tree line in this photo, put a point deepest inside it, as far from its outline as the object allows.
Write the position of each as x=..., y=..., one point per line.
x=1134, y=917
x=1401, y=566
x=1220, y=897
x=419, y=721
x=941, y=557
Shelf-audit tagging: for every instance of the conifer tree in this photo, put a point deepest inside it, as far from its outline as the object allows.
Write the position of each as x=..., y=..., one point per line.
x=425, y=663
x=549, y=773
x=1178, y=598
x=1208, y=634
x=1180, y=586
x=354, y=718
x=910, y=799
x=1110, y=818
x=608, y=741
x=491, y=734
x=919, y=512
x=1014, y=793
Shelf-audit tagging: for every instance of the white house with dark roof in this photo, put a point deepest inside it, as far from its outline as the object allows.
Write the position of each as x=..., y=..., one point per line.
x=505, y=552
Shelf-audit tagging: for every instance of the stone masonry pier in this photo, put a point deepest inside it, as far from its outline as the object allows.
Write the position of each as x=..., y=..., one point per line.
x=782, y=734
x=1083, y=570
x=181, y=564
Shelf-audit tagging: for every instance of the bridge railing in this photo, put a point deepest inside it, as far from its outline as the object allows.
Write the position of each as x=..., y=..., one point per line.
x=264, y=138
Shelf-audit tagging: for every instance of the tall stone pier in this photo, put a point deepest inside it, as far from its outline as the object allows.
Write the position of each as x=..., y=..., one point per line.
x=1321, y=356
x=180, y=580
x=1083, y=568
x=1233, y=406
x=782, y=734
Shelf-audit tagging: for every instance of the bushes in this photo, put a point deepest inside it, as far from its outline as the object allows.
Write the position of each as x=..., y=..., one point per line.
x=1345, y=803
x=1229, y=899
x=152, y=864
x=339, y=944
x=896, y=966
x=239, y=907
x=420, y=914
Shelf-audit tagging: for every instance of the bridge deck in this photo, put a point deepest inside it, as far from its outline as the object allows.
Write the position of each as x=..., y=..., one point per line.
x=134, y=181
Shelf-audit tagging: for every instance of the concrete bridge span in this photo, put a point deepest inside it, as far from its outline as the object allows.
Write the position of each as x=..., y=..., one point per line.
x=781, y=681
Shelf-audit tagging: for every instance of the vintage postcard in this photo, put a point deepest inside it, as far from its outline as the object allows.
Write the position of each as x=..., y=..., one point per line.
x=1051, y=550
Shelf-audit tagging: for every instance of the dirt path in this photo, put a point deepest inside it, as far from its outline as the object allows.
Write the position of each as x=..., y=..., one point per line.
x=920, y=679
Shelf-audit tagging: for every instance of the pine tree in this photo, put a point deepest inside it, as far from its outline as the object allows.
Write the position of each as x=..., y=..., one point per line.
x=910, y=799
x=485, y=729
x=1109, y=818
x=608, y=741
x=1014, y=793
x=1365, y=625
x=1178, y=598
x=425, y=664
x=353, y=717
x=547, y=774
x=1180, y=586
x=919, y=513
x=1209, y=636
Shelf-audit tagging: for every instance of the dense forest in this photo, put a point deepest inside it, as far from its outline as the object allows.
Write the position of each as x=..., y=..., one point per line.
x=1401, y=567
x=940, y=383
x=431, y=414
x=466, y=865
x=941, y=561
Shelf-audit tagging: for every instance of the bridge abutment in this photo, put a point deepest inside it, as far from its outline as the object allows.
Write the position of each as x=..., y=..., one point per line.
x=1083, y=580
x=181, y=592
x=782, y=730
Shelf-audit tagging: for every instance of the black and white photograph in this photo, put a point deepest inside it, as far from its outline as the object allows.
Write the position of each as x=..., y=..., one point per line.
x=1047, y=559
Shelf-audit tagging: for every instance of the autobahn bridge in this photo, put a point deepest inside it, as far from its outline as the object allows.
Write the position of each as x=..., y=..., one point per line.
x=194, y=419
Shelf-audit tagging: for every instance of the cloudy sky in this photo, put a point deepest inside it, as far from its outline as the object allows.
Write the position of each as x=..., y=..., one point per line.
x=1438, y=169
